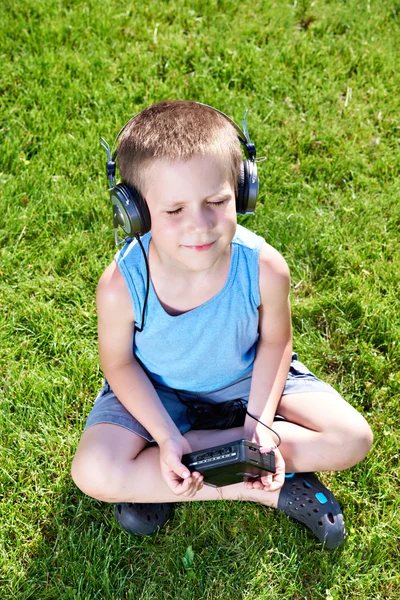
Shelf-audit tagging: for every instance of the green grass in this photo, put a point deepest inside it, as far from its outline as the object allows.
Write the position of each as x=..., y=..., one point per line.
x=321, y=80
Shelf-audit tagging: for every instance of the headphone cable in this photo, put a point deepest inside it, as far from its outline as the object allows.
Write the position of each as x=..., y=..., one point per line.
x=273, y=431
x=137, y=237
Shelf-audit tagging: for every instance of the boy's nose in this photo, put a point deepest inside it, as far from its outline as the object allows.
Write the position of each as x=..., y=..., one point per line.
x=200, y=220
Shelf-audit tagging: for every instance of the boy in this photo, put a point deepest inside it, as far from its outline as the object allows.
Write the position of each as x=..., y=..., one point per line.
x=213, y=324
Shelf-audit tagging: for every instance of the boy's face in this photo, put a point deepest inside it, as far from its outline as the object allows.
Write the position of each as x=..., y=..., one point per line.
x=193, y=212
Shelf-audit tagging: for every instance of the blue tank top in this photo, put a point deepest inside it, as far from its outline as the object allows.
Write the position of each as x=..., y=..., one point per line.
x=210, y=346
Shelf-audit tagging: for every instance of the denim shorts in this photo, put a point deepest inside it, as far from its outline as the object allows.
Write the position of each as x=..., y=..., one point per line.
x=108, y=409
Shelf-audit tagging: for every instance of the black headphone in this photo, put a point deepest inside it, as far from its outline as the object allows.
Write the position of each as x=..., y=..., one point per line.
x=130, y=210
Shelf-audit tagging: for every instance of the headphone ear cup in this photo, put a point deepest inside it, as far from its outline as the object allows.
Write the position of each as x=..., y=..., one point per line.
x=242, y=193
x=247, y=188
x=130, y=210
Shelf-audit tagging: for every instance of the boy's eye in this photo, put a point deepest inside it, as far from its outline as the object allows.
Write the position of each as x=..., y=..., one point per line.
x=219, y=202
x=174, y=212
x=179, y=210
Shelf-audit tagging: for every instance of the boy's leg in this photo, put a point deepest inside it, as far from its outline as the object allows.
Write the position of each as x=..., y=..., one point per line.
x=114, y=464
x=322, y=432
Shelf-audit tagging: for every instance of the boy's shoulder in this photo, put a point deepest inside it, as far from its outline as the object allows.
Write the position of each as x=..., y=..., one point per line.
x=274, y=276
x=270, y=260
x=112, y=293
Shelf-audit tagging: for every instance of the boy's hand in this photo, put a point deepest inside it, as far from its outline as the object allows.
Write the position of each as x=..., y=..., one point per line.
x=175, y=474
x=273, y=481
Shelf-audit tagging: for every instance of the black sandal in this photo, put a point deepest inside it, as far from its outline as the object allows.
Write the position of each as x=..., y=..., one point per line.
x=304, y=498
x=142, y=519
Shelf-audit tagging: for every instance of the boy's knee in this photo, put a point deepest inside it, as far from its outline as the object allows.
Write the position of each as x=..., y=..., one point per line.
x=98, y=477
x=365, y=437
x=355, y=443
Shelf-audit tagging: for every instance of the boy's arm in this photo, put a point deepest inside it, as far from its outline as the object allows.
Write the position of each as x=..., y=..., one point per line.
x=274, y=348
x=128, y=380
x=126, y=377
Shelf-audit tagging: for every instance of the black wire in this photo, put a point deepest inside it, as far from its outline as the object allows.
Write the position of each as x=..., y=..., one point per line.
x=275, y=432
x=137, y=237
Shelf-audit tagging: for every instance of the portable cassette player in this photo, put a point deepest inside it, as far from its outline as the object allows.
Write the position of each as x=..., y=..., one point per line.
x=230, y=463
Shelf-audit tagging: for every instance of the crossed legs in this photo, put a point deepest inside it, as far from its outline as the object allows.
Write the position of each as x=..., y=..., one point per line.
x=322, y=433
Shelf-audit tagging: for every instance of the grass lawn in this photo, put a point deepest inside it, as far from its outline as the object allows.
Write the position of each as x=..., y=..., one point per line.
x=321, y=80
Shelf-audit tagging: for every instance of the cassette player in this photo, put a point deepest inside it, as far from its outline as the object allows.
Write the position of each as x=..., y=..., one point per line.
x=230, y=463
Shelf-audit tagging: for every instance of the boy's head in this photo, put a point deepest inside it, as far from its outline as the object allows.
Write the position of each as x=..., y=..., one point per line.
x=177, y=130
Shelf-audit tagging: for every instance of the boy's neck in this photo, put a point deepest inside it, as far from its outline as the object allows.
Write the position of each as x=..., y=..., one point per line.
x=180, y=289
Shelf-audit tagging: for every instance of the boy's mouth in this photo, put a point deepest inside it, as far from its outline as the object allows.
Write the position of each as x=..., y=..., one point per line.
x=201, y=248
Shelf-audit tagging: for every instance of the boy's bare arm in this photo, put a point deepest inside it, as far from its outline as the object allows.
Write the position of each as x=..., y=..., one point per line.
x=132, y=386
x=273, y=356
x=126, y=377
x=274, y=347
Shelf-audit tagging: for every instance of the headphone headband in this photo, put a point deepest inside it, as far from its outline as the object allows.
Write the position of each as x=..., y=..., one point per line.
x=243, y=136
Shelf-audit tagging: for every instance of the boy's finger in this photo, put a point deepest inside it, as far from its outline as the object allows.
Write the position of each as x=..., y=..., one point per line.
x=177, y=467
x=257, y=485
x=187, y=483
x=249, y=485
x=191, y=491
x=266, y=480
x=275, y=486
x=277, y=481
x=177, y=485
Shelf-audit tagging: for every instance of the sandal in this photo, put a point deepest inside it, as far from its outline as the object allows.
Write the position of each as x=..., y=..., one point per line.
x=305, y=499
x=142, y=519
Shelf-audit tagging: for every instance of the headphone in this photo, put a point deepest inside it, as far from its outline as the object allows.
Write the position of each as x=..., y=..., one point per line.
x=130, y=210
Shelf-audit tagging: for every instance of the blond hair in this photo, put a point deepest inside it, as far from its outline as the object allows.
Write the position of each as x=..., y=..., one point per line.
x=176, y=130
